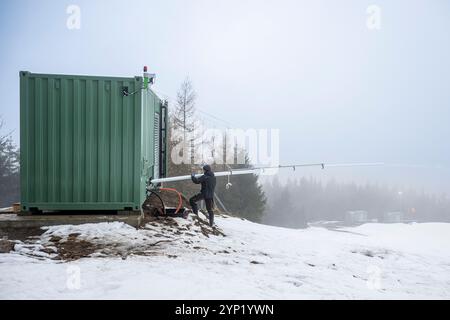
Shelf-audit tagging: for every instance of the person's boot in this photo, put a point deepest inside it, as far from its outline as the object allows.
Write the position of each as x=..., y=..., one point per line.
x=211, y=219
x=194, y=207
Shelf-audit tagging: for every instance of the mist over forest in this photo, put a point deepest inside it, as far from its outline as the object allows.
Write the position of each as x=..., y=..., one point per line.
x=307, y=199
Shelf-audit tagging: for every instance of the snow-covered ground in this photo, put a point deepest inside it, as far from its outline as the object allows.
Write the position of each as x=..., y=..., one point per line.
x=253, y=261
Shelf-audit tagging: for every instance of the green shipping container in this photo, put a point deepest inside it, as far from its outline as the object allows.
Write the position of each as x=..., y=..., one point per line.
x=88, y=142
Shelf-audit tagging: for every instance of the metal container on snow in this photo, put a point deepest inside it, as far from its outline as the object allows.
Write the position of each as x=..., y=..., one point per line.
x=88, y=142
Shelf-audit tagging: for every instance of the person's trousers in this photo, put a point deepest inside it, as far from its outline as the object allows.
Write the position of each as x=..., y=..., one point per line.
x=209, y=206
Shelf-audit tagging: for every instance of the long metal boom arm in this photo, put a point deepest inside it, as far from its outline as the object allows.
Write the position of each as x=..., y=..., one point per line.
x=258, y=170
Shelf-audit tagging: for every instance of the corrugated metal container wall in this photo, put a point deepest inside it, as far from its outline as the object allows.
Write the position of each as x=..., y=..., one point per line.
x=84, y=145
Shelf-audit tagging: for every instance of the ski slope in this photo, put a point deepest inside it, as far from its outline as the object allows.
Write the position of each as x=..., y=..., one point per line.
x=253, y=261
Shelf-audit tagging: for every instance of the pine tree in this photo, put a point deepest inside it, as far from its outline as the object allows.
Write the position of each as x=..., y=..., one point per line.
x=182, y=124
x=246, y=197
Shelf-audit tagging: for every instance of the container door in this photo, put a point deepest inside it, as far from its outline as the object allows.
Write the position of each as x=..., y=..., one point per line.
x=157, y=145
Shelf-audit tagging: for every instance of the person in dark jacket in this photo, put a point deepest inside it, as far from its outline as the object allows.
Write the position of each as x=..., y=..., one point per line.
x=208, y=182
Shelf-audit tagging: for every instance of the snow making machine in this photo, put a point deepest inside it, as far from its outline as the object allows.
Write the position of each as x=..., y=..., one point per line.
x=96, y=143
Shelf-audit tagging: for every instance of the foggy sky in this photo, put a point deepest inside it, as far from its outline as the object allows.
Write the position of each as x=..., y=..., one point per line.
x=338, y=91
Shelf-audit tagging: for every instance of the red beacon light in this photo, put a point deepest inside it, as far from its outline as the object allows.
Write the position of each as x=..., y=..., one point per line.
x=145, y=68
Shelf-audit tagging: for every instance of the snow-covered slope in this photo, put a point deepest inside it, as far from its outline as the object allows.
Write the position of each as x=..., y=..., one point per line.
x=253, y=261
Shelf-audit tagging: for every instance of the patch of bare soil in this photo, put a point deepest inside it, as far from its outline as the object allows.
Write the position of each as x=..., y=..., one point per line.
x=156, y=231
x=6, y=246
x=157, y=221
x=72, y=248
x=171, y=226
